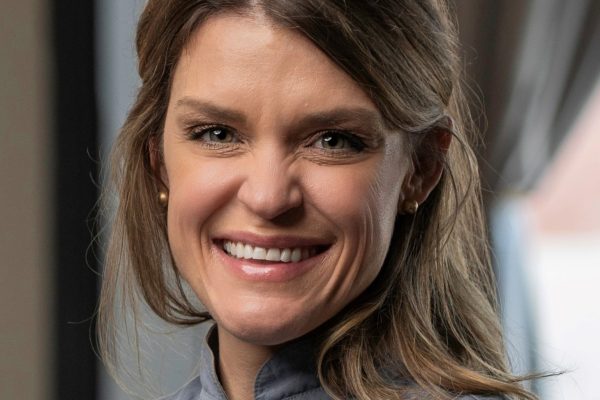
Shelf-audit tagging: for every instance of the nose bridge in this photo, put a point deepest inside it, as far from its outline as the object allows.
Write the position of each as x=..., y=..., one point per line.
x=270, y=187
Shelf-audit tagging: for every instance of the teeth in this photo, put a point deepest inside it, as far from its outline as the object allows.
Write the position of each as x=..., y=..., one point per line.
x=248, y=251
x=296, y=255
x=273, y=255
x=241, y=250
x=259, y=253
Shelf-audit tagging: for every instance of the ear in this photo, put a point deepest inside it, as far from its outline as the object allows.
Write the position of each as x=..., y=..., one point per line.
x=427, y=166
x=157, y=164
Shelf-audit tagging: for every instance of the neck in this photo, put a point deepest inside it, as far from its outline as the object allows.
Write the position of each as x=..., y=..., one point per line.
x=238, y=365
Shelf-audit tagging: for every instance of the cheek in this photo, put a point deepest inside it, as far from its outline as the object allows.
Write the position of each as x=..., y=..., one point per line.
x=198, y=188
x=197, y=193
x=360, y=199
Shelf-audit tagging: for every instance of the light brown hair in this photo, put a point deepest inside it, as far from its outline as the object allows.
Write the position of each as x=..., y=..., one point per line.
x=431, y=314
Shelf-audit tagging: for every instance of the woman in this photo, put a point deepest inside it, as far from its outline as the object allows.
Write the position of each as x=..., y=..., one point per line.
x=304, y=167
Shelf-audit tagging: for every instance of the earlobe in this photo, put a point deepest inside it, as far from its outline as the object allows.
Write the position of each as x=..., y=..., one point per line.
x=425, y=174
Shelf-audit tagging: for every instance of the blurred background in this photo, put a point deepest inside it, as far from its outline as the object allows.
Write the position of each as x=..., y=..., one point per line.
x=67, y=78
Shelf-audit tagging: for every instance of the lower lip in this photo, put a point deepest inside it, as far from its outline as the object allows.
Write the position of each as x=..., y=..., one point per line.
x=267, y=271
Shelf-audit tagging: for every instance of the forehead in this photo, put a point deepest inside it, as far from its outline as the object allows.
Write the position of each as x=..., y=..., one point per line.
x=248, y=60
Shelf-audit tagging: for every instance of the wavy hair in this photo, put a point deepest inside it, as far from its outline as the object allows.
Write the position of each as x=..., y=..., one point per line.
x=431, y=314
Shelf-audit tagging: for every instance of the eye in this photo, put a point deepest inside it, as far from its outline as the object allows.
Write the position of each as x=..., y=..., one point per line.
x=214, y=135
x=339, y=141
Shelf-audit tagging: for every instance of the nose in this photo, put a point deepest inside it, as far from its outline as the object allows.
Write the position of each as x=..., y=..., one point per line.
x=270, y=188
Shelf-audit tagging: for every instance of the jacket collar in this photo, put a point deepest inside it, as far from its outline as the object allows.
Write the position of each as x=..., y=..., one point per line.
x=290, y=372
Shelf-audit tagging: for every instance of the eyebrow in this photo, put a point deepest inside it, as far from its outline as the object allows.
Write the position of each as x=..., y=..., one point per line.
x=364, y=117
x=334, y=117
x=211, y=110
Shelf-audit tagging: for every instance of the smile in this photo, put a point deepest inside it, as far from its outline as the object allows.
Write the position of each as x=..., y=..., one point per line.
x=286, y=255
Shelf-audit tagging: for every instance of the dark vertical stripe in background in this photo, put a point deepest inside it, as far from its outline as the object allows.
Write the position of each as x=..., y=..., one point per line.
x=75, y=149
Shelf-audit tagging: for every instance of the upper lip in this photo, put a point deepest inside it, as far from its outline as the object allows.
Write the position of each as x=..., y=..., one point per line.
x=274, y=241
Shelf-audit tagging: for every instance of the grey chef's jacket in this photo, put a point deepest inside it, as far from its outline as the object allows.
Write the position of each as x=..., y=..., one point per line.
x=289, y=375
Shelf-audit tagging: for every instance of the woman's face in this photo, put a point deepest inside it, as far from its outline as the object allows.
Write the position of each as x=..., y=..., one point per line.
x=283, y=181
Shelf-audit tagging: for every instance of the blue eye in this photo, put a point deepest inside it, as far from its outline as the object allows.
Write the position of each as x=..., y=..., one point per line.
x=337, y=141
x=215, y=134
x=212, y=135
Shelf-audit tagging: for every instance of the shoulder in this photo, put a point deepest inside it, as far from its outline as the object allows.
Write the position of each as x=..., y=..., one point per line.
x=189, y=392
x=469, y=397
x=205, y=384
x=416, y=392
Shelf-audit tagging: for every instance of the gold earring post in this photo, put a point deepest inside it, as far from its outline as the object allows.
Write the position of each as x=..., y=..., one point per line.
x=163, y=198
x=410, y=206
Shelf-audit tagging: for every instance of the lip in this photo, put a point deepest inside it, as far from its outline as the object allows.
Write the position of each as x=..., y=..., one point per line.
x=266, y=271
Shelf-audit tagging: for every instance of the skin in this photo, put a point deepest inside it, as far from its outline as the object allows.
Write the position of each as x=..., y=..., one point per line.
x=270, y=173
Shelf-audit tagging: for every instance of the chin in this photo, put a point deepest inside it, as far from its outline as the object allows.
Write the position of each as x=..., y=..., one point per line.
x=265, y=330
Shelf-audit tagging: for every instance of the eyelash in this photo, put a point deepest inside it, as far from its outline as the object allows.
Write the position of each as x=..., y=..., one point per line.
x=355, y=143
x=197, y=133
